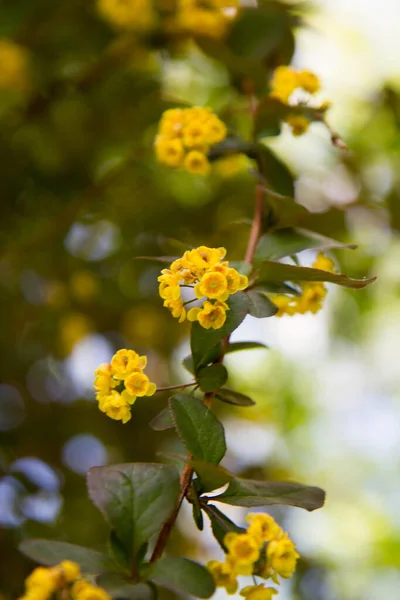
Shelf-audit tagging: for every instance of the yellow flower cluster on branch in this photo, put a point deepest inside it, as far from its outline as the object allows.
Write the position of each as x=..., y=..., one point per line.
x=185, y=136
x=64, y=580
x=313, y=293
x=210, y=18
x=264, y=550
x=120, y=383
x=203, y=270
x=133, y=15
x=14, y=67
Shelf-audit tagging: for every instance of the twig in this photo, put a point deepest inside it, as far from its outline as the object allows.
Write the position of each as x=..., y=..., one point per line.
x=176, y=387
x=256, y=225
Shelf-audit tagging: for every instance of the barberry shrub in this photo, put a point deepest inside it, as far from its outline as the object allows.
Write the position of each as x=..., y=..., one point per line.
x=141, y=501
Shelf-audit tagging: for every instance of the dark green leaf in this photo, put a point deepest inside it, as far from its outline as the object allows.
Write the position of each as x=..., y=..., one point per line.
x=276, y=173
x=188, y=364
x=118, y=553
x=231, y=397
x=50, y=553
x=203, y=340
x=241, y=266
x=238, y=346
x=257, y=33
x=212, y=378
x=275, y=271
x=246, y=492
x=182, y=576
x=162, y=421
x=283, y=211
x=260, y=306
x=278, y=288
x=196, y=508
x=268, y=118
x=135, y=499
x=119, y=587
x=278, y=244
x=221, y=524
x=211, y=476
x=197, y=427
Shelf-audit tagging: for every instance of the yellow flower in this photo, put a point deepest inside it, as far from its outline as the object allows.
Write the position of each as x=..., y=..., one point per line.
x=210, y=23
x=263, y=527
x=115, y=406
x=244, y=551
x=104, y=380
x=205, y=258
x=223, y=575
x=195, y=134
x=82, y=590
x=298, y=123
x=312, y=298
x=324, y=263
x=136, y=15
x=124, y=362
x=177, y=309
x=235, y=281
x=14, y=66
x=196, y=162
x=308, y=81
x=183, y=269
x=169, y=285
x=216, y=130
x=169, y=152
x=282, y=557
x=284, y=82
x=70, y=570
x=213, y=285
x=258, y=592
x=138, y=384
x=210, y=315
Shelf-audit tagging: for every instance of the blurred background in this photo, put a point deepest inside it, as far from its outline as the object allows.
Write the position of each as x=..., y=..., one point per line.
x=82, y=196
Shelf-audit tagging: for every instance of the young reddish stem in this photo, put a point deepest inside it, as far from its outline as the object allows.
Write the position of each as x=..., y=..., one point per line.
x=176, y=387
x=255, y=226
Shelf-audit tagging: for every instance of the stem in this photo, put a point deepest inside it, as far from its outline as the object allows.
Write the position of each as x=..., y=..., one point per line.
x=176, y=387
x=256, y=225
x=187, y=473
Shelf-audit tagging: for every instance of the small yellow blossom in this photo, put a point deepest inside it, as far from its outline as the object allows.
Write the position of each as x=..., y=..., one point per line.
x=169, y=152
x=70, y=570
x=14, y=67
x=263, y=527
x=138, y=384
x=135, y=15
x=83, y=590
x=308, y=81
x=43, y=582
x=258, y=592
x=324, y=263
x=298, y=124
x=115, y=406
x=210, y=316
x=104, y=380
x=282, y=557
x=223, y=575
x=284, y=82
x=214, y=285
x=177, y=309
x=196, y=162
x=244, y=551
x=124, y=362
x=204, y=257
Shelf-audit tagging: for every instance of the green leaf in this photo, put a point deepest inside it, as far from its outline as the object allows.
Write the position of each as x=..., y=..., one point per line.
x=211, y=476
x=135, y=499
x=276, y=271
x=285, y=242
x=196, y=508
x=231, y=397
x=246, y=492
x=278, y=288
x=241, y=266
x=260, y=306
x=268, y=118
x=197, y=427
x=212, y=378
x=182, y=576
x=160, y=259
x=162, y=421
x=276, y=173
x=118, y=553
x=257, y=33
x=188, y=364
x=283, y=211
x=221, y=524
x=47, y=552
x=203, y=340
x=238, y=346
x=119, y=587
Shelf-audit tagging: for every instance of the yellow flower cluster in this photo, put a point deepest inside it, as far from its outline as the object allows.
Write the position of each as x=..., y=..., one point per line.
x=204, y=270
x=210, y=18
x=44, y=582
x=14, y=67
x=185, y=136
x=313, y=293
x=120, y=383
x=133, y=15
x=264, y=550
x=287, y=79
